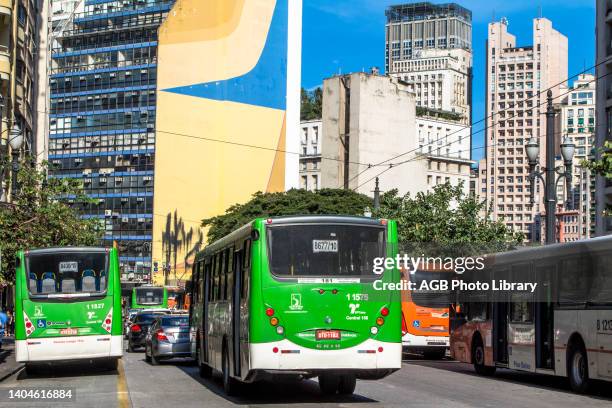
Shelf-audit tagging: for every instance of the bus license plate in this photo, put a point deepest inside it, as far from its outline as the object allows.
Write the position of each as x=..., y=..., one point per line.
x=68, y=332
x=327, y=334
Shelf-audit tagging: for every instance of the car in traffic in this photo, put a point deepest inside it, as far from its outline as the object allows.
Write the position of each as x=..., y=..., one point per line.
x=139, y=328
x=168, y=337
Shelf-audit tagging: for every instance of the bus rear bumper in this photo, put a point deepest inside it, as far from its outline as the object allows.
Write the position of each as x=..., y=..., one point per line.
x=369, y=356
x=423, y=344
x=68, y=348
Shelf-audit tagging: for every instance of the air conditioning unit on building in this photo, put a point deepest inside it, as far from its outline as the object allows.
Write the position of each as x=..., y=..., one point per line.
x=140, y=199
x=118, y=180
x=87, y=181
x=116, y=215
x=141, y=220
x=125, y=220
x=147, y=179
x=103, y=180
x=125, y=200
x=108, y=213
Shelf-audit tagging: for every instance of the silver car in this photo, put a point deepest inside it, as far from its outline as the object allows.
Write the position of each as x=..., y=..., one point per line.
x=168, y=337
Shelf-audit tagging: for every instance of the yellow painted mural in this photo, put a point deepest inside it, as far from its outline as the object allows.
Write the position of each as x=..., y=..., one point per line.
x=227, y=111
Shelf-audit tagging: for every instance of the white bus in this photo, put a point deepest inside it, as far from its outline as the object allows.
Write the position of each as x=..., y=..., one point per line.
x=564, y=328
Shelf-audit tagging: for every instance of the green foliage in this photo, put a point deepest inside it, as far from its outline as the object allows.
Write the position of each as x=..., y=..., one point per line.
x=452, y=116
x=312, y=104
x=292, y=202
x=447, y=221
x=37, y=219
x=603, y=166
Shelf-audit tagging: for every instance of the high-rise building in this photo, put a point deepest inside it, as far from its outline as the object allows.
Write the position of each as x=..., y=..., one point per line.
x=518, y=78
x=19, y=22
x=102, y=85
x=577, y=120
x=429, y=46
x=604, y=110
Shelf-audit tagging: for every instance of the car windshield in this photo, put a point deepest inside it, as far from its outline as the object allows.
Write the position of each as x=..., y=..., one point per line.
x=324, y=250
x=66, y=273
x=175, y=322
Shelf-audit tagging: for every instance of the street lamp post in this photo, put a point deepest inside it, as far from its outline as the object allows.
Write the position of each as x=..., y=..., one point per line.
x=15, y=141
x=550, y=171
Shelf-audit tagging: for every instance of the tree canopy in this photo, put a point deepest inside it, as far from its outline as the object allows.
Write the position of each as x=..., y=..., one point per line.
x=447, y=218
x=312, y=104
x=292, y=202
x=37, y=218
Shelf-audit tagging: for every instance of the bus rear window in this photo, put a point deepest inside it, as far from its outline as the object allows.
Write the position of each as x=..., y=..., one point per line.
x=324, y=250
x=66, y=272
x=149, y=296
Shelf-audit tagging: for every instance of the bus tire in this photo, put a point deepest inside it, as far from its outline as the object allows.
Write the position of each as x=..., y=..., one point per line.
x=578, y=368
x=347, y=384
x=329, y=384
x=478, y=357
x=229, y=384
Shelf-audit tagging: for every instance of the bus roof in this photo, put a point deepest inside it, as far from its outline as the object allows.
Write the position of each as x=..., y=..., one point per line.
x=67, y=249
x=549, y=251
x=290, y=219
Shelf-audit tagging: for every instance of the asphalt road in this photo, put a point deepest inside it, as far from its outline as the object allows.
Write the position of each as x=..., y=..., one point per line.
x=420, y=383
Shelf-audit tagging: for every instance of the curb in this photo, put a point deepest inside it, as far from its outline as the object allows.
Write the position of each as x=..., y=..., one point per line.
x=5, y=353
x=10, y=373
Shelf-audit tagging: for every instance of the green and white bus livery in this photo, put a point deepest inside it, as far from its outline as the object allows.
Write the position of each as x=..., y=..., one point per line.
x=295, y=296
x=149, y=297
x=68, y=305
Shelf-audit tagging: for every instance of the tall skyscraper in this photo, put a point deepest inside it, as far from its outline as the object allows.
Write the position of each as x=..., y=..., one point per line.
x=429, y=46
x=604, y=112
x=102, y=73
x=517, y=80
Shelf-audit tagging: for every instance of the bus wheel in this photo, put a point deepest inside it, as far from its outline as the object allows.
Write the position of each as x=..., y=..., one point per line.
x=329, y=384
x=347, y=384
x=478, y=356
x=229, y=384
x=578, y=372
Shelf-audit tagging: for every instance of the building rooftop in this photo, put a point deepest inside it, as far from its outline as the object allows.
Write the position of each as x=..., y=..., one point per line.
x=426, y=11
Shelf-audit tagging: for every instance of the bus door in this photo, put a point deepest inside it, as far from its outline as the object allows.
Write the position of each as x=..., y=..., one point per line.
x=236, y=292
x=500, y=323
x=521, y=330
x=205, y=302
x=544, y=318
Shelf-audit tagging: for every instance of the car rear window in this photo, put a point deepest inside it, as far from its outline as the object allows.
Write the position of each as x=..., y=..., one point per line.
x=146, y=318
x=175, y=321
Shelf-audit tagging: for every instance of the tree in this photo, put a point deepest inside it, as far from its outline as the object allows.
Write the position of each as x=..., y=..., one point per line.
x=292, y=202
x=37, y=218
x=445, y=220
x=602, y=167
x=311, y=104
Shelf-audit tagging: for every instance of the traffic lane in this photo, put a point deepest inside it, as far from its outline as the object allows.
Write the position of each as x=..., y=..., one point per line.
x=506, y=387
x=178, y=382
x=92, y=384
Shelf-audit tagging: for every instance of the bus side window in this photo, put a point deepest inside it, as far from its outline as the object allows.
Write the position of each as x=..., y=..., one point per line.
x=215, y=278
x=208, y=277
x=521, y=309
x=221, y=274
x=246, y=263
x=574, y=279
x=230, y=272
x=226, y=271
x=601, y=289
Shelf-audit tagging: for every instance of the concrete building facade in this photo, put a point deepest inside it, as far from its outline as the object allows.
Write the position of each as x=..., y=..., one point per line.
x=102, y=85
x=19, y=22
x=430, y=47
x=577, y=120
x=310, y=154
x=374, y=116
x=517, y=78
x=603, y=50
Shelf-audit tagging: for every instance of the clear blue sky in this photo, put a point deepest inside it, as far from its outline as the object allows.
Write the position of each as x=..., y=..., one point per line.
x=349, y=35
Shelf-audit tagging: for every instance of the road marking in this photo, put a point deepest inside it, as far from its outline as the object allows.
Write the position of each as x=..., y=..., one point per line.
x=122, y=389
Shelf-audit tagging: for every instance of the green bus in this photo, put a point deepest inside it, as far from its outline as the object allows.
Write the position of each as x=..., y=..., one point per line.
x=149, y=297
x=67, y=305
x=295, y=296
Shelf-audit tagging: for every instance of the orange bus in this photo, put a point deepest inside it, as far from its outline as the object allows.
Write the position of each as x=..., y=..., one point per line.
x=425, y=315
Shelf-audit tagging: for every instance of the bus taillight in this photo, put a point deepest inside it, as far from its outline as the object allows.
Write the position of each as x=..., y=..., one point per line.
x=28, y=325
x=384, y=312
x=274, y=321
x=380, y=321
x=269, y=312
x=404, y=326
x=107, y=324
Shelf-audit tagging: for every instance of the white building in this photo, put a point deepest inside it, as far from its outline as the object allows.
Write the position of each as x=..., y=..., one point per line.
x=577, y=121
x=310, y=154
x=440, y=79
x=445, y=146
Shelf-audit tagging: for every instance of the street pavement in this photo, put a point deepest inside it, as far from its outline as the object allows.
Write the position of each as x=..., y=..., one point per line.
x=420, y=383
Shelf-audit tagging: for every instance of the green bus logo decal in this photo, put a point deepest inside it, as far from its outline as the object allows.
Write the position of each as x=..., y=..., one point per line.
x=296, y=302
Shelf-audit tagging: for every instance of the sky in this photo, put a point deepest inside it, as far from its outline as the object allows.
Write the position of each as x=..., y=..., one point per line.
x=341, y=36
